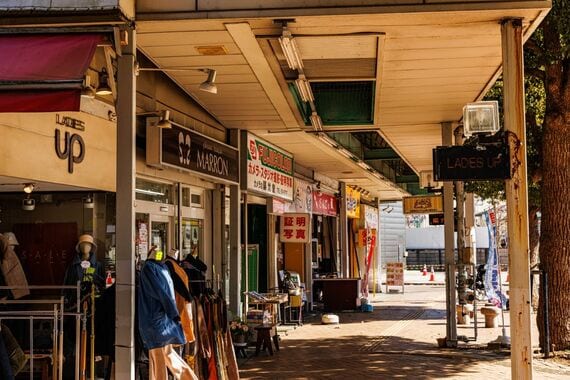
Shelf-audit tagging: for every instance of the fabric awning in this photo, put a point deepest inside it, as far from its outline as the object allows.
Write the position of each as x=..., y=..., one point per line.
x=31, y=63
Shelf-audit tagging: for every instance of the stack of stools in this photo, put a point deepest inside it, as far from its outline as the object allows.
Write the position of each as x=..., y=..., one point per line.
x=264, y=333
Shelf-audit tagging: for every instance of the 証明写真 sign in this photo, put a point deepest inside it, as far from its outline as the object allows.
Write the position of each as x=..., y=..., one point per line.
x=294, y=228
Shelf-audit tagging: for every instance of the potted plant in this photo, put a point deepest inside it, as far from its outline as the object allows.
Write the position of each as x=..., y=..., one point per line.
x=239, y=331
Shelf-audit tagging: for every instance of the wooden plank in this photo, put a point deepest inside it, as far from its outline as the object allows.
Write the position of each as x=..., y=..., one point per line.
x=248, y=118
x=220, y=78
x=448, y=63
x=181, y=38
x=433, y=90
x=256, y=124
x=337, y=47
x=432, y=117
x=200, y=61
x=441, y=42
x=245, y=39
x=187, y=48
x=426, y=101
x=487, y=70
x=242, y=107
x=431, y=81
x=323, y=68
x=379, y=84
x=443, y=53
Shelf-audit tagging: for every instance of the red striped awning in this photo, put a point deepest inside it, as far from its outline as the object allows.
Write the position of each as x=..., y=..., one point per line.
x=44, y=72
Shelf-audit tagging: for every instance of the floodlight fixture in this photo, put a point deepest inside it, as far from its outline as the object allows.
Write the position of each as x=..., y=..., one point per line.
x=481, y=118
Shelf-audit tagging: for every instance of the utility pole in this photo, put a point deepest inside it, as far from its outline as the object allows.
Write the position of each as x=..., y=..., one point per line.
x=517, y=199
x=448, y=217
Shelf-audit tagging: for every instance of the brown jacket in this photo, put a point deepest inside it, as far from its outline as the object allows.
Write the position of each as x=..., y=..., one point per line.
x=184, y=307
x=12, y=269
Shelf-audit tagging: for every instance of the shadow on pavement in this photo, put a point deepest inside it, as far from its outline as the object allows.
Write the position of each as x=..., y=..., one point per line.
x=361, y=357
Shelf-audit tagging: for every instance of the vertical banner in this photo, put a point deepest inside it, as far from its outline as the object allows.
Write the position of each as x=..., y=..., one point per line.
x=493, y=268
x=352, y=203
x=371, y=240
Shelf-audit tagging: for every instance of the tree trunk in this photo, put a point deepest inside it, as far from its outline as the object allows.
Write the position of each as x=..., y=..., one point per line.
x=534, y=238
x=555, y=207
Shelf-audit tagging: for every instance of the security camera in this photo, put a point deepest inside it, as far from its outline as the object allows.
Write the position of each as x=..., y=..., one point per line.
x=28, y=204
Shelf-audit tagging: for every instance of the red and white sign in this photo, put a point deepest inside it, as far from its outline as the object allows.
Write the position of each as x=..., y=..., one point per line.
x=294, y=228
x=324, y=204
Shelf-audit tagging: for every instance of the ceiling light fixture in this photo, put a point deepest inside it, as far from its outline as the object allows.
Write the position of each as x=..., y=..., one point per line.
x=208, y=85
x=164, y=121
x=304, y=89
x=88, y=201
x=87, y=91
x=290, y=50
x=103, y=88
x=29, y=187
x=28, y=204
x=316, y=122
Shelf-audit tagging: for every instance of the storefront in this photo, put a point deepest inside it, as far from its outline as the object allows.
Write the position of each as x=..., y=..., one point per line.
x=267, y=178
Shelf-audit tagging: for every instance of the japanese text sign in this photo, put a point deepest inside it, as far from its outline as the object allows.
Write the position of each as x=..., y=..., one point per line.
x=324, y=204
x=295, y=228
x=269, y=170
x=352, y=203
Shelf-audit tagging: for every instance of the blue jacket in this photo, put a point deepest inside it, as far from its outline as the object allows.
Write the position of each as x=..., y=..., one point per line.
x=159, y=322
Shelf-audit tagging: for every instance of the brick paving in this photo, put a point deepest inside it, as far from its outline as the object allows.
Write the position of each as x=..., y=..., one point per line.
x=396, y=341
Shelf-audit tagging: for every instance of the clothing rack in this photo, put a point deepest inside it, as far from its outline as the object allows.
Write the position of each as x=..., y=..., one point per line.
x=56, y=313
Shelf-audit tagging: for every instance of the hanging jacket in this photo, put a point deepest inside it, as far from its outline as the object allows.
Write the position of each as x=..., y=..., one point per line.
x=159, y=321
x=182, y=297
x=12, y=270
x=75, y=273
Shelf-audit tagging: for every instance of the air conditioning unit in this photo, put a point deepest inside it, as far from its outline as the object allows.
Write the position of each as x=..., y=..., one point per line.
x=427, y=180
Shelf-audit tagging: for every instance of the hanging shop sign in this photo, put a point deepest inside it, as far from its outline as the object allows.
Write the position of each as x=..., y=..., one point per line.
x=370, y=216
x=462, y=163
x=352, y=203
x=423, y=204
x=188, y=150
x=268, y=169
x=303, y=199
x=436, y=220
x=68, y=148
x=324, y=204
x=294, y=228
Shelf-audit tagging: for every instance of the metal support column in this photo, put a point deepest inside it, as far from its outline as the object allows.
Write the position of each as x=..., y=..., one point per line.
x=235, y=238
x=344, y=254
x=460, y=210
x=450, y=298
x=218, y=222
x=517, y=200
x=125, y=221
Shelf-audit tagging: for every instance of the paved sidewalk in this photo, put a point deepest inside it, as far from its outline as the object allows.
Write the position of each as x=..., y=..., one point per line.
x=397, y=340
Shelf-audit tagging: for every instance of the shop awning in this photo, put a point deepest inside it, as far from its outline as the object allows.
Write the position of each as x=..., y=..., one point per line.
x=44, y=72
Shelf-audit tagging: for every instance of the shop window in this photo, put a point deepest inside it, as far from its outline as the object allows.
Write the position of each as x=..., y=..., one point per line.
x=186, y=197
x=154, y=191
x=196, y=199
x=192, y=238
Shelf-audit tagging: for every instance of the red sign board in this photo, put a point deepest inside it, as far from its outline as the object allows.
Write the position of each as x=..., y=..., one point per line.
x=324, y=204
x=294, y=228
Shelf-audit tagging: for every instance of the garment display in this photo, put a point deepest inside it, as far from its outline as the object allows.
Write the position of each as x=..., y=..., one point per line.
x=159, y=320
x=196, y=270
x=214, y=356
x=165, y=358
x=182, y=295
x=11, y=268
x=84, y=268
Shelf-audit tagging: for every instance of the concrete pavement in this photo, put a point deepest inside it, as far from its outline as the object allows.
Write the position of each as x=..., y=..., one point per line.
x=397, y=340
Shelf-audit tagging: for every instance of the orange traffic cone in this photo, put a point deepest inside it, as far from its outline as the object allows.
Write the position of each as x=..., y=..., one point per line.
x=432, y=275
x=424, y=271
